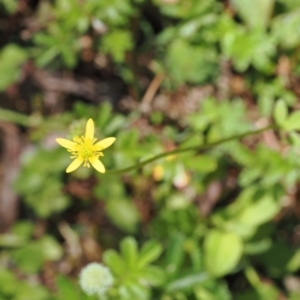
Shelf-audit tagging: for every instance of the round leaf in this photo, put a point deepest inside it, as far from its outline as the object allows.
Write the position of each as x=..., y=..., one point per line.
x=222, y=252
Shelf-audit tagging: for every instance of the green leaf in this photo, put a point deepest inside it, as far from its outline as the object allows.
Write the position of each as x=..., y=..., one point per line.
x=222, y=251
x=175, y=253
x=129, y=250
x=279, y=258
x=8, y=283
x=116, y=123
x=46, y=57
x=11, y=240
x=212, y=289
x=51, y=248
x=123, y=214
x=153, y=275
x=255, y=206
x=26, y=291
x=178, y=201
x=280, y=112
x=202, y=163
x=117, y=43
x=66, y=289
x=184, y=69
x=268, y=291
x=195, y=253
x=257, y=247
x=104, y=115
x=137, y=291
x=10, y=5
x=29, y=258
x=252, y=208
x=24, y=229
x=11, y=57
x=255, y=13
x=115, y=262
x=294, y=263
x=294, y=139
x=186, y=282
x=150, y=251
x=292, y=122
x=284, y=28
x=261, y=209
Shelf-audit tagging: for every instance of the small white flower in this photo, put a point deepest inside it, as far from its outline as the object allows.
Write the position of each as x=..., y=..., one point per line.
x=95, y=279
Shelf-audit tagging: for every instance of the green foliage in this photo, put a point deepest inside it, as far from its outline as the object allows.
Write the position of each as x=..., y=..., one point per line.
x=66, y=289
x=12, y=288
x=217, y=222
x=29, y=255
x=222, y=252
x=283, y=28
x=123, y=214
x=132, y=270
x=197, y=253
x=9, y=5
x=43, y=191
x=247, y=48
x=261, y=12
x=251, y=209
x=292, y=122
x=200, y=69
x=268, y=93
x=280, y=112
x=11, y=58
x=117, y=43
x=56, y=42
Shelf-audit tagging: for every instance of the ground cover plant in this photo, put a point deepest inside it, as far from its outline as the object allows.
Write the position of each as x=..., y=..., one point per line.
x=196, y=106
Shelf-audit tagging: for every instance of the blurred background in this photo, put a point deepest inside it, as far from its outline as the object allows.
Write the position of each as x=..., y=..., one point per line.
x=156, y=74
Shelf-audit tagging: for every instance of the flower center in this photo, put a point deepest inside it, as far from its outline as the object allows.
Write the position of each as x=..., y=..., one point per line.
x=86, y=150
x=83, y=148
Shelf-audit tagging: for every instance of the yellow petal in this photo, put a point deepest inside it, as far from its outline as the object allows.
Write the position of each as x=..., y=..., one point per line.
x=74, y=165
x=89, y=131
x=105, y=143
x=66, y=143
x=97, y=164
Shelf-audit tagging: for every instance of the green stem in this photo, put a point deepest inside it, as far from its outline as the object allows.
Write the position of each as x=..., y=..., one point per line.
x=193, y=148
x=17, y=118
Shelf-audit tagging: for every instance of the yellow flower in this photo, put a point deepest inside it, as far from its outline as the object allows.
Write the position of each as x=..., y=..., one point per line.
x=85, y=149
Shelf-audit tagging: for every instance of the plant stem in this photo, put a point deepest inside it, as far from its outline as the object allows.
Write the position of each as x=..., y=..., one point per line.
x=193, y=148
x=17, y=118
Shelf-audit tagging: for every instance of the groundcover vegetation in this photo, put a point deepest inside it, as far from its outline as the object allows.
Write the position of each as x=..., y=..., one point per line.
x=196, y=196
